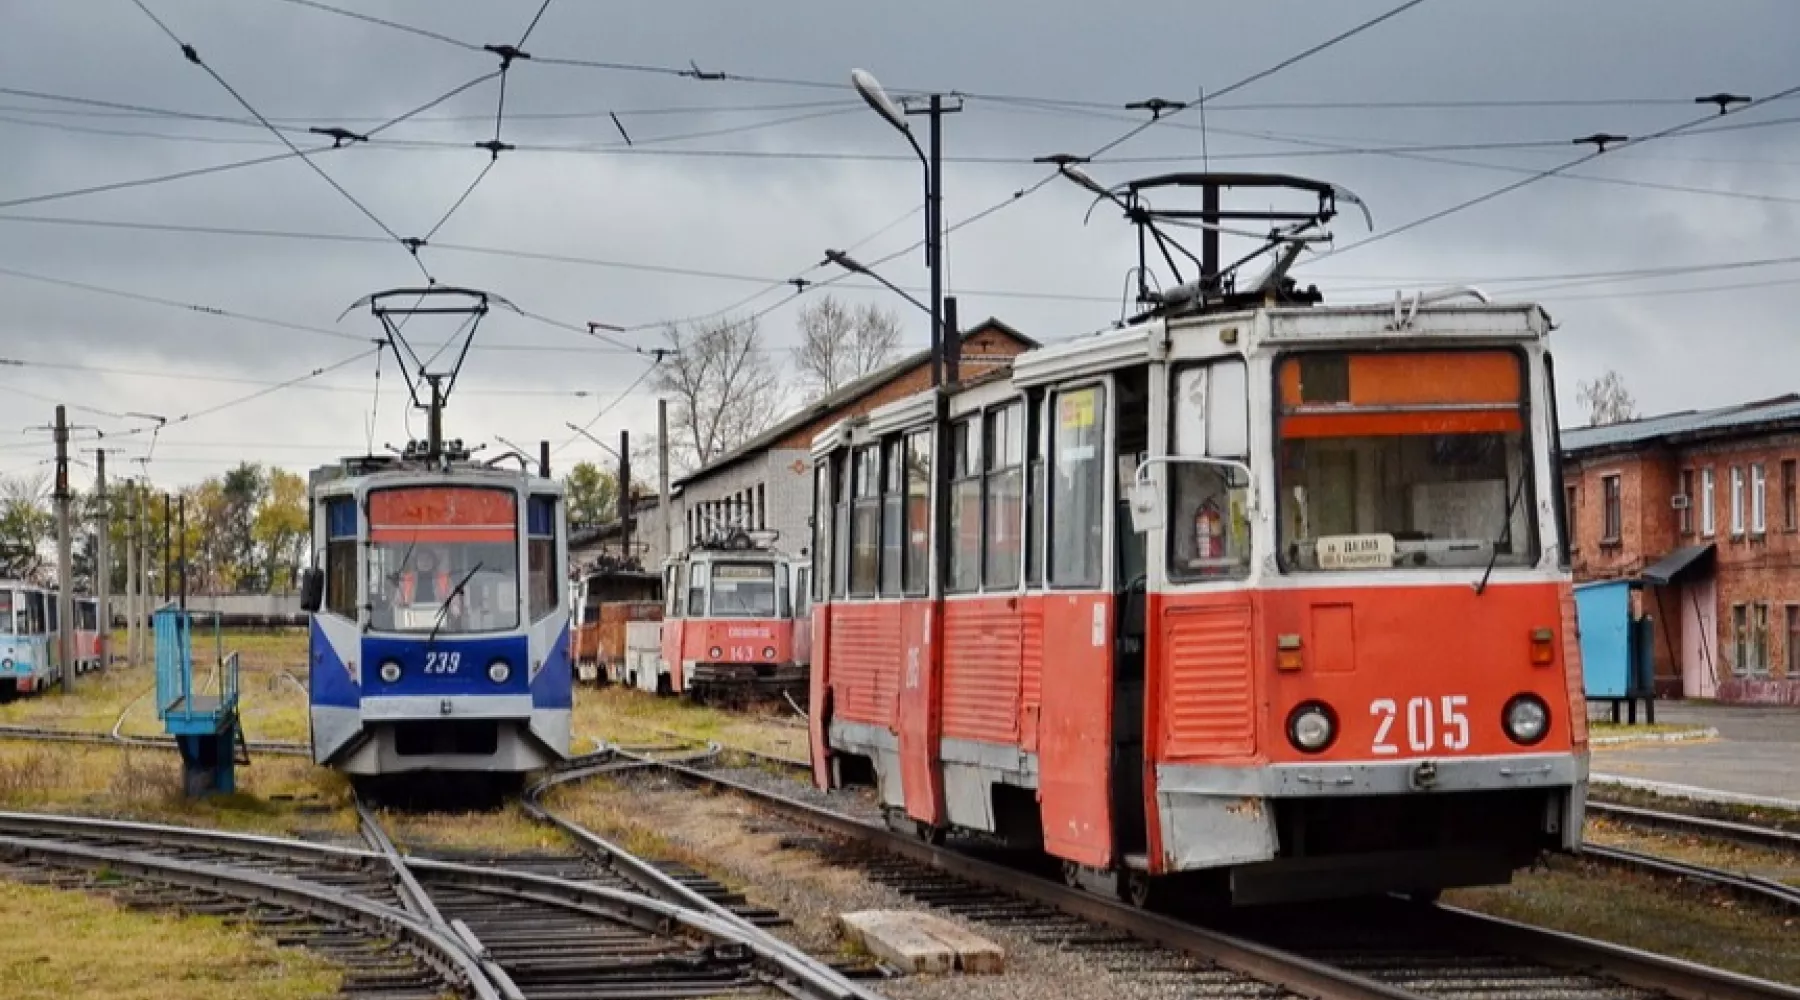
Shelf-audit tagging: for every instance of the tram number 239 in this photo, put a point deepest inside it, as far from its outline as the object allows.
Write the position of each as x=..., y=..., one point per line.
x=1426, y=724
x=442, y=663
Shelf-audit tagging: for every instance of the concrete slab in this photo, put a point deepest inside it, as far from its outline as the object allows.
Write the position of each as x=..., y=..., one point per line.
x=921, y=942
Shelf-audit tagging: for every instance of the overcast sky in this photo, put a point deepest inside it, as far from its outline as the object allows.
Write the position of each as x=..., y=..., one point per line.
x=748, y=182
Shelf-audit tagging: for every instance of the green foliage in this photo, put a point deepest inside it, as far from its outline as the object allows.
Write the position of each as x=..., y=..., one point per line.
x=592, y=494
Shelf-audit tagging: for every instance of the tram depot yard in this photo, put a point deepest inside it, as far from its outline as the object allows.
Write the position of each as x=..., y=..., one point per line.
x=773, y=862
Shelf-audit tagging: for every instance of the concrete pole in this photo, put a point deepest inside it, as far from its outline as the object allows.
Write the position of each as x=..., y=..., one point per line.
x=131, y=574
x=65, y=562
x=103, y=559
x=662, y=479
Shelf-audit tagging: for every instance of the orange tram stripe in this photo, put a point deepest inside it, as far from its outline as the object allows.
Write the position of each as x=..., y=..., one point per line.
x=444, y=535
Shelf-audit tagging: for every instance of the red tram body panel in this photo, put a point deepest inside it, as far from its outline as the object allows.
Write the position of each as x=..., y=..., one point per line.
x=1272, y=603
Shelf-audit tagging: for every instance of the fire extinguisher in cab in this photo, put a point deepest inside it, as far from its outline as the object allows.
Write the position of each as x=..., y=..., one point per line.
x=1209, y=531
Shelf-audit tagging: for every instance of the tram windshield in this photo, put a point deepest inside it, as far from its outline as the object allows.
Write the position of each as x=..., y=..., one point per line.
x=1416, y=459
x=6, y=612
x=443, y=559
x=743, y=590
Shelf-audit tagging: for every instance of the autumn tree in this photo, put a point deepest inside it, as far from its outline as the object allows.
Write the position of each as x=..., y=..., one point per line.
x=592, y=494
x=840, y=344
x=722, y=386
x=26, y=525
x=279, y=529
x=1607, y=400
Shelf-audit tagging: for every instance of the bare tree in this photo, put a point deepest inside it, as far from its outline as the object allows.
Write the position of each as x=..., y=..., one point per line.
x=1607, y=400
x=722, y=387
x=839, y=345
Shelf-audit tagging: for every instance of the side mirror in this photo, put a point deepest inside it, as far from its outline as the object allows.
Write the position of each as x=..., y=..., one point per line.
x=312, y=590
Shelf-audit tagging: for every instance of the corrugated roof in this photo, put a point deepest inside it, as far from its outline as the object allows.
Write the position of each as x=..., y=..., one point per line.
x=824, y=405
x=1723, y=420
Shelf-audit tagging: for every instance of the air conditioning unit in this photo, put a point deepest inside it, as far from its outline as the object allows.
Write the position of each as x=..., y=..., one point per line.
x=1680, y=501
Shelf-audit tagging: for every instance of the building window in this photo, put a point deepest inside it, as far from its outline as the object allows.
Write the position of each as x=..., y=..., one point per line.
x=1686, y=514
x=1571, y=504
x=918, y=512
x=1706, y=503
x=865, y=521
x=1740, y=638
x=1004, y=491
x=1610, y=518
x=893, y=530
x=965, y=505
x=1793, y=641
x=1790, y=517
x=1750, y=638
x=1759, y=504
x=1737, y=501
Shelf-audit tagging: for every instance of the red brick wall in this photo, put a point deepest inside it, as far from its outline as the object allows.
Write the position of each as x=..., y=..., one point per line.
x=987, y=343
x=1751, y=568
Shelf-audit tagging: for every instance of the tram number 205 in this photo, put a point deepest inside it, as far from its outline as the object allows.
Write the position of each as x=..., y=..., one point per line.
x=1428, y=724
x=442, y=663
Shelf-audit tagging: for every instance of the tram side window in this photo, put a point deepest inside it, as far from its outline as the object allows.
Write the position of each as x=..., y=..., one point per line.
x=6, y=612
x=893, y=470
x=821, y=525
x=36, y=622
x=671, y=593
x=865, y=520
x=1034, y=493
x=340, y=557
x=541, y=556
x=1003, y=486
x=1209, y=523
x=1078, y=512
x=696, y=591
x=918, y=512
x=965, y=505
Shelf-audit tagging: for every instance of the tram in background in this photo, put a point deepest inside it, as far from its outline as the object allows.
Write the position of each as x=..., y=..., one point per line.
x=87, y=634
x=1252, y=598
x=607, y=600
x=729, y=619
x=28, y=648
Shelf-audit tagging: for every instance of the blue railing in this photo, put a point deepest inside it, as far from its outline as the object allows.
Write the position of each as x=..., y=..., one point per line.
x=185, y=703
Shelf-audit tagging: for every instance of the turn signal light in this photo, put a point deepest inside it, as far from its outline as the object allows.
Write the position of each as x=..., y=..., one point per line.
x=1287, y=653
x=1543, y=652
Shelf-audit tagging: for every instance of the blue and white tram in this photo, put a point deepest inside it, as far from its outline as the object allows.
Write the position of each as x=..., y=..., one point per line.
x=27, y=638
x=439, y=635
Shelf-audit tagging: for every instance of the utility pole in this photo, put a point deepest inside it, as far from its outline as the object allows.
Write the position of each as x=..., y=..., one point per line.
x=544, y=459
x=65, y=568
x=132, y=528
x=662, y=477
x=935, y=109
x=102, y=559
x=624, y=494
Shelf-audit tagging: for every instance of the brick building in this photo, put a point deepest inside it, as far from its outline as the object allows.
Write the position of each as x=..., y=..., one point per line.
x=1702, y=507
x=767, y=481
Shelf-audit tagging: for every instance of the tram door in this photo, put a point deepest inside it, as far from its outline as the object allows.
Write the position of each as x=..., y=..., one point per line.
x=1130, y=587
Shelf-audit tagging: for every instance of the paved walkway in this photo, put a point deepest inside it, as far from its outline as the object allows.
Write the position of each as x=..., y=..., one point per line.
x=1757, y=752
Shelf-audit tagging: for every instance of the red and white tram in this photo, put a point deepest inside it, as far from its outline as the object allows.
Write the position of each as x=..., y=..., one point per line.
x=729, y=619
x=1268, y=601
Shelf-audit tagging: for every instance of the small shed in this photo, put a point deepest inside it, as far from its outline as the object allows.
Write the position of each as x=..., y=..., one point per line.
x=1616, y=663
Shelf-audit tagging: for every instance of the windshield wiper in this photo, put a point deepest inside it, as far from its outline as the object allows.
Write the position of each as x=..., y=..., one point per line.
x=1505, y=536
x=444, y=609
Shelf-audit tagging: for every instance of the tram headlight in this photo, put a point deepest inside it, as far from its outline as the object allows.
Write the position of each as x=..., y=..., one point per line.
x=768, y=652
x=499, y=671
x=390, y=671
x=715, y=652
x=1526, y=719
x=1312, y=726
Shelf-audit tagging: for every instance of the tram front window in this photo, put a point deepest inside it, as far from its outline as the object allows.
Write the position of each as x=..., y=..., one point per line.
x=743, y=590
x=1404, y=460
x=443, y=559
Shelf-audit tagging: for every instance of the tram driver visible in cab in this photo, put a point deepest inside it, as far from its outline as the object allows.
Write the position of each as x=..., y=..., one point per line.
x=417, y=594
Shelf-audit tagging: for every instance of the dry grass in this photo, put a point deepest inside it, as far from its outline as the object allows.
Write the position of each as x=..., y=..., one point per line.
x=276, y=795
x=1779, y=819
x=506, y=829
x=1652, y=914
x=1707, y=851
x=1599, y=728
x=627, y=715
x=146, y=957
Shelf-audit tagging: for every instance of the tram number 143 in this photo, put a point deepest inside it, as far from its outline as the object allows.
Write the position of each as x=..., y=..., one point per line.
x=1429, y=724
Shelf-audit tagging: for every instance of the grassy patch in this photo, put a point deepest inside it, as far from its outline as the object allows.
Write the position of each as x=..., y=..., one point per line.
x=277, y=795
x=1652, y=914
x=1599, y=728
x=505, y=829
x=626, y=715
x=50, y=952
x=1697, y=850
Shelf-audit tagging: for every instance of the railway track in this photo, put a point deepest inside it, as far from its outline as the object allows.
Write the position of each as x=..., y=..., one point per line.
x=1399, y=950
x=1741, y=884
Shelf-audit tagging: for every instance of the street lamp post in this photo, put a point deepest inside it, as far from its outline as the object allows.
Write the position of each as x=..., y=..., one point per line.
x=623, y=454
x=935, y=108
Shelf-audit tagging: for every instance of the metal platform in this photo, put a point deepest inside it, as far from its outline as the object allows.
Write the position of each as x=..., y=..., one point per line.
x=201, y=713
